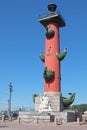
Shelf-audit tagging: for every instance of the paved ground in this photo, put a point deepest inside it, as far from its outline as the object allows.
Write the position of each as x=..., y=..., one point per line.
x=16, y=126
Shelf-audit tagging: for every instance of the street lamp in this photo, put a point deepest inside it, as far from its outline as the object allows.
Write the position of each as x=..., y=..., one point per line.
x=9, y=101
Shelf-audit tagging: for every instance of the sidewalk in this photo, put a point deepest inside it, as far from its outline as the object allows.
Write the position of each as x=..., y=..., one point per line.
x=16, y=126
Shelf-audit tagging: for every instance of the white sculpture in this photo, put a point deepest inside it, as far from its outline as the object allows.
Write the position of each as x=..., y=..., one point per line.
x=45, y=104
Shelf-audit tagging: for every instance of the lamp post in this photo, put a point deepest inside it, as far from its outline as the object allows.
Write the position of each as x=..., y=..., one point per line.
x=9, y=101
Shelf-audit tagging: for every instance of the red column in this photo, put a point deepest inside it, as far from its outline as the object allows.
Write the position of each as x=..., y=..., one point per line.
x=51, y=62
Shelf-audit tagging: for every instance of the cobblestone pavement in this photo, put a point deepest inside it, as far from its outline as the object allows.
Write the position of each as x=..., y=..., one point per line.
x=16, y=126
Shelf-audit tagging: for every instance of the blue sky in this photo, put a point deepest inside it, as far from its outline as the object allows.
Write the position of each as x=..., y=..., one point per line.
x=22, y=38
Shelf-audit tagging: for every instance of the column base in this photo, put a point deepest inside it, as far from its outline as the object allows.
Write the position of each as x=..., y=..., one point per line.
x=55, y=99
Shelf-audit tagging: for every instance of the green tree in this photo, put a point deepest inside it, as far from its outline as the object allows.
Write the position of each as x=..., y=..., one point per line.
x=81, y=107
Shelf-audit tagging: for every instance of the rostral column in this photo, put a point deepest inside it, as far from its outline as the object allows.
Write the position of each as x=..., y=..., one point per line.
x=52, y=73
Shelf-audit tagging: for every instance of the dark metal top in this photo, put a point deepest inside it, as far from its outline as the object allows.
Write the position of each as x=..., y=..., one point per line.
x=52, y=16
x=52, y=7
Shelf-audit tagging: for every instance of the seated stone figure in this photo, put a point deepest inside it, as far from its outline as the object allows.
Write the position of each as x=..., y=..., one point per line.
x=45, y=104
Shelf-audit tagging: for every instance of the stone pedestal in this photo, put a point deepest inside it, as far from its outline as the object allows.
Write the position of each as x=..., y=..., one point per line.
x=34, y=117
x=45, y=117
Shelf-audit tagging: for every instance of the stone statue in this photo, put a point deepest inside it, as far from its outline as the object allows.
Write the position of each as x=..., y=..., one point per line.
x=45, y=104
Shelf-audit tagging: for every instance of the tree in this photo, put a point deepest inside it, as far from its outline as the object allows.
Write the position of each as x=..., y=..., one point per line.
x=81, y=107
